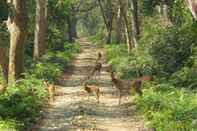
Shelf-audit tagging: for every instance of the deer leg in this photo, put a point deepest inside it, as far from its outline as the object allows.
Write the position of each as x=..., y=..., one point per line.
x=99, y=74
x=139, y=91
x=53, y=98
x=138, y=88
x=88, y=96
x=95, y=75
x=119, y=97
x=98, y=97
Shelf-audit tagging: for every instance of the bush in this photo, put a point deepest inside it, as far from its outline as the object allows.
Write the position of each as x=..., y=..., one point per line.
x=172, y=48
x=47, y=71
x=7, y=125
x=127, y=64
x=169, y=109
x=185, y=77
x=53, y=63
x=21, y=103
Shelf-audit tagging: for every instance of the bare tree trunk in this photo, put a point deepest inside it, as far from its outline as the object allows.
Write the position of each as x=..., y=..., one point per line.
x=4, y=63
x=127, y=34
x=135, y=21
x=192, y=4
x=103, y=12
x=119, y=26
x=17, y=27
x=165, y=10
x=108, y=17
x=41, y=28
x=109, y=28
x=72, y=28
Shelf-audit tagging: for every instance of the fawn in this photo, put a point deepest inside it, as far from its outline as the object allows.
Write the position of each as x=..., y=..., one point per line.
x=123, y=86
x=92, y=89
x=51, y=90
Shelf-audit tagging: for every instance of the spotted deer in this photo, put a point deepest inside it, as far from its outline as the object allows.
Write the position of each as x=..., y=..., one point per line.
x=90, y=89
x=51, y=89
x=124, y=86
x=96, y=71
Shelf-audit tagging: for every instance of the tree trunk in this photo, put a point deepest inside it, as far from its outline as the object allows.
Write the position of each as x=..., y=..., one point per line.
x=103, y=12
x=135, y=21
x=109, y=36
x=192, y=4
x=41, y=28
x=108, y=19
x=127, y=34
x=119, y=26
x=165, y=10
x=4, y=64
x=72, y=28
x=17, y=27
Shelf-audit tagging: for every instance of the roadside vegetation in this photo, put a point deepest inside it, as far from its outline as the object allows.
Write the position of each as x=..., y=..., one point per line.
x=147, y=37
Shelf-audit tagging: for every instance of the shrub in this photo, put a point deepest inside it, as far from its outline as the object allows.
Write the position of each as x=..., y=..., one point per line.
x=172, y=48
x=53, y=63
x=9, y=125
x=185, y=77
x=169, y=109
x=21, y=103
x=48, y=71
x=127, y=64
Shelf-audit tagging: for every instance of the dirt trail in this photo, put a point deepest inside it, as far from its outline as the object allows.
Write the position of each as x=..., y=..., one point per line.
x=73, y=112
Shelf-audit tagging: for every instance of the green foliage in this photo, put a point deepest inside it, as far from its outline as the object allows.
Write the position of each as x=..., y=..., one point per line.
x=3, y=37
x=53, y=63
x=169, y=109
x=180, y=13
x=3, y=10
x=21, y=103
x=6, y=125
x=128, y=64
x=186, y=76
x=172, y=48
x=148, y=6
x=49, y=71
x=170, y=54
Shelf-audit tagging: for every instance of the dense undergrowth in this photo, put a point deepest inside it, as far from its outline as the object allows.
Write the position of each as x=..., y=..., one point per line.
x=21, y=103
x=169, y=54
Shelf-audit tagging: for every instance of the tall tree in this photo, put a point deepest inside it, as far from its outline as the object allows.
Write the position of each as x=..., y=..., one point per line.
x=135, y=21
x=41, y=27
x=127, y=31
x=108, y=17
x=17, y=27
x=72, y=27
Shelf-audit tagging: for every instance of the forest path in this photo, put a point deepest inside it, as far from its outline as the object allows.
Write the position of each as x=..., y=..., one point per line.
x=72, y=111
